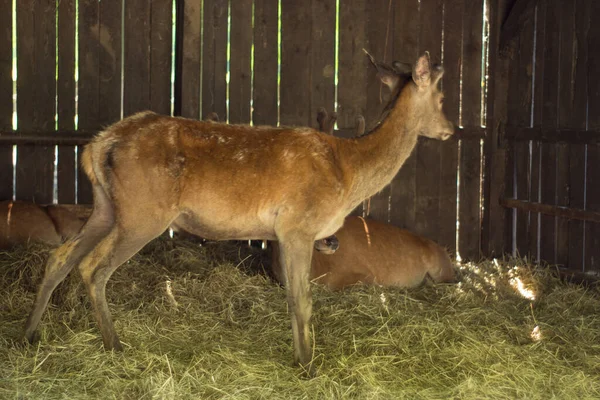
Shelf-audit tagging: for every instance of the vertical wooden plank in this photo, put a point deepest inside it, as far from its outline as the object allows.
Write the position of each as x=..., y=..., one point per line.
x=470, y=150
x=109, y=56
x=66, y=99
x=428, y=171
x=566, y=10
x=214, y=58
x=352, y=75
x=189, y=83
x=406, y=49
x=537, y=102
x=6, y=101
x=379, y=32
x=592, y=230
x=522, y=118
x=295, y=107
x=265, y=62
x=453, y=25
x=90, y=32
x=322, y=57
x=136, y=85
x=240, y=73
x=496, y=221
x=161, y=35
x=578, y=120
x=549, y=120
x=36, y=41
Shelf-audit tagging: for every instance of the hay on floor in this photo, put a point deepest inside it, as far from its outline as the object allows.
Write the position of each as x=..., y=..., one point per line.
x=201, y=322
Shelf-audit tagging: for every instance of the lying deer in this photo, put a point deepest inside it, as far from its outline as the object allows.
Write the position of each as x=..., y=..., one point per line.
x=23, y=222
x=373, y=252
x=149, y=171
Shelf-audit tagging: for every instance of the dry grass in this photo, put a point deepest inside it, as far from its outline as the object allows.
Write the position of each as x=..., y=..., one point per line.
x=225, y=333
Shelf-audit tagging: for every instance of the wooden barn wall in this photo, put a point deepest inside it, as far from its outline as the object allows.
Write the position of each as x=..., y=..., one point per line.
x=250, y=61
x=122, y=68
x=552, y=125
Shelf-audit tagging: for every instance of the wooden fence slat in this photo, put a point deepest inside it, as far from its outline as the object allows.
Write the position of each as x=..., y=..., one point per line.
x=214, y=58
x=161, y=35
x=295, y=108
x=566, y=10
x=89, y=84
x=66, y=100
x=453, y=26
x=470, y=155
x=379, y=35
x=536, y=112
x=577, y=120
x=136, y=84
x=265, y=63
x=6, y=101
x=322, y=58
x=35, y=85
x=549, y=119
x=495, y=217
x=522, y=117
x=240, y=73
x=109, y=62
x=189, y=82
x=353, y=64
x=406, y=49
x=592, y=231
x=428, y=172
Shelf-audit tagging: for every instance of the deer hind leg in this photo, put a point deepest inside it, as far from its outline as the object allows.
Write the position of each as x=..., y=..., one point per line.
x=295, y=260
x=63, y=259
x=124, y=241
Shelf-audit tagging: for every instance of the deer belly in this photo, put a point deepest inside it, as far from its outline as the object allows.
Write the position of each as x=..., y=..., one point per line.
x=230, y=227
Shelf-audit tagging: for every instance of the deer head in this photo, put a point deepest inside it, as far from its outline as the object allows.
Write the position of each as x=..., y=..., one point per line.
x=426, y=99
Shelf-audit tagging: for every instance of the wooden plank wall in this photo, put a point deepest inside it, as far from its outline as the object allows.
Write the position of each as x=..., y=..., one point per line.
x=113, y=81
x=124, y=50
x=552, y=85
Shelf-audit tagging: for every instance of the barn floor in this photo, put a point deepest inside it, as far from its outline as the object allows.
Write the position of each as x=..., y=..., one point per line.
x=197, y=322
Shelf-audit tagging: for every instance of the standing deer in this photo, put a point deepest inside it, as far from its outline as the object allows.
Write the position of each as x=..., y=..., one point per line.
x=373, y=252
x=149, y=171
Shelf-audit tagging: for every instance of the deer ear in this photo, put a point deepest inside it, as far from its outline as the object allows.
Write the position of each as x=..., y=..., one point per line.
x=422, y=71
x=386, y=74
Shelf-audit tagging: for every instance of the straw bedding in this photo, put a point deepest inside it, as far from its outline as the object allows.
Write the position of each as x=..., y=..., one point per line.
x=206, y=322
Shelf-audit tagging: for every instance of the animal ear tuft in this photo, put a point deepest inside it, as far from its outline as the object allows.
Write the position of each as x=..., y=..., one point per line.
x=422, y=71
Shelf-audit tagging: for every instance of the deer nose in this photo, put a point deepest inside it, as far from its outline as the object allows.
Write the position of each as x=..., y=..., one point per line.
x=449, y=131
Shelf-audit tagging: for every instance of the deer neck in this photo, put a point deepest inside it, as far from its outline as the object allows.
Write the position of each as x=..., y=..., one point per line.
x=377, y=157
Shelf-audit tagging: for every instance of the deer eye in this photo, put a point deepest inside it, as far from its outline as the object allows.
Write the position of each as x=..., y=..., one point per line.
x=442, y=100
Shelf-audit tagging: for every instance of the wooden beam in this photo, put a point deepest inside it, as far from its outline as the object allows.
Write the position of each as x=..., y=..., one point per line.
x=551, y=135
x=558, y=211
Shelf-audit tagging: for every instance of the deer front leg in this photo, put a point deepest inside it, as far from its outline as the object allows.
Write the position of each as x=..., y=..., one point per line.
x=295, y=258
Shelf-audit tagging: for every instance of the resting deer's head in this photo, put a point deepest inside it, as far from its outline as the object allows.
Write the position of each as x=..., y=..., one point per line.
x=418, y=85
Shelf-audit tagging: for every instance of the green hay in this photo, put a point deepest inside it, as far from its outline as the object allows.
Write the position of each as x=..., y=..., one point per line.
x=225, y=333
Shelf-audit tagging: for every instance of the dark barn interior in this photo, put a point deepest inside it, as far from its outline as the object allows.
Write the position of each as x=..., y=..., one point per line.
x=516, y=182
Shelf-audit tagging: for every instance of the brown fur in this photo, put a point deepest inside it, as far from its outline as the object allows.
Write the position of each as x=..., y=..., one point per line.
x=220, y=181
x=380, y=254
x=23, y=222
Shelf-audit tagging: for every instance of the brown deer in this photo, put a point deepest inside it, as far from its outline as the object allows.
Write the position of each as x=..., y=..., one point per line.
x=23, y=222
x=148, y=171
x=373, y=252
